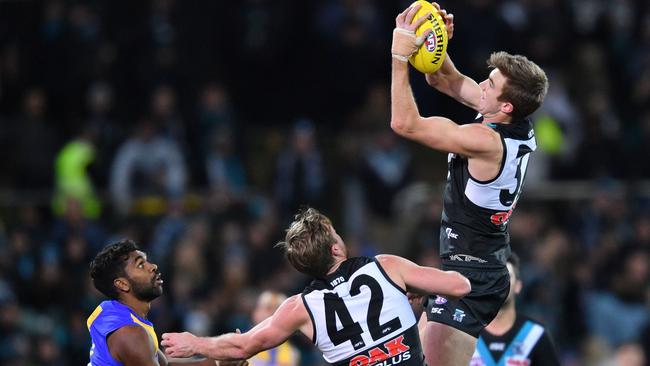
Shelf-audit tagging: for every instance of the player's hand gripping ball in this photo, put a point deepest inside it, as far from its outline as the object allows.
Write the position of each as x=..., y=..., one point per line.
x=429, y=57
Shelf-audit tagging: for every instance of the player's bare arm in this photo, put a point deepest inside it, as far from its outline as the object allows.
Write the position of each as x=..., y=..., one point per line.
x=448, y=79
x=476, y=141
x=290, y=317
x=132, y=346
x=436, y=132
x=440, y=133
x=200, y=361
x=424, y=280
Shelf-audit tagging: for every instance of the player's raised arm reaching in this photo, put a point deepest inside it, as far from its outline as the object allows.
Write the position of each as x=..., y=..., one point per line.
x=439, y=133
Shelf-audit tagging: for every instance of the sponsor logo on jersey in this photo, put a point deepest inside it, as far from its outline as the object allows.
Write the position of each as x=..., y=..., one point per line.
x=392, y=352
x=497, y=346
x=451, y=234
x=437, y=310
x=511, y=361
x=439, y=300
x=466, y=258
x=459, y=315
x=500, y=218
x=476, y=361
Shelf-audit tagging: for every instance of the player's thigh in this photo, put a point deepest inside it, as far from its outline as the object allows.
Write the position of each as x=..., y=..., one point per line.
x=446, y=346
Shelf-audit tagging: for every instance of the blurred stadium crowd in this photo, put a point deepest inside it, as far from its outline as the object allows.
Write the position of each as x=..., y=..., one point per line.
x=197, y=128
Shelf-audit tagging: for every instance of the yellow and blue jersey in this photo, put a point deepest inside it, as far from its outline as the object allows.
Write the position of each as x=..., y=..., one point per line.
x=282, y=355
x=108, y=317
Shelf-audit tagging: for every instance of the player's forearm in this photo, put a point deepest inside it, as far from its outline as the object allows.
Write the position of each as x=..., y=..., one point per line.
x=192, y=361
x=440, y=80
x=225, y=347
x=448, y=80
x=456, y=285
x=404, y=111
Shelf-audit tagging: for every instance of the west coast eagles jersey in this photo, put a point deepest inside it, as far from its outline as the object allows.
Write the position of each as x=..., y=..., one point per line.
x=475, y=213
x=108, y=317
x=361, y=317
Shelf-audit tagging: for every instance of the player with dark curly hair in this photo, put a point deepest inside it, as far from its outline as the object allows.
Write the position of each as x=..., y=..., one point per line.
x=120, y=331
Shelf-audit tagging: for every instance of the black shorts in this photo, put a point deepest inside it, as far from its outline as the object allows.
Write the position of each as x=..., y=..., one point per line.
x=490, y=288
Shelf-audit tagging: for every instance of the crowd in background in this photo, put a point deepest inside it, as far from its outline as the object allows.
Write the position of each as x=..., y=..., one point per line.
x=197, y=128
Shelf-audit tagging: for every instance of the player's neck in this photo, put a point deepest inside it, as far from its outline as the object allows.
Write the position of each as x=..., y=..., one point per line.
x=504, y=320
x=498, y=117
x=139, y=307
x=337, y=264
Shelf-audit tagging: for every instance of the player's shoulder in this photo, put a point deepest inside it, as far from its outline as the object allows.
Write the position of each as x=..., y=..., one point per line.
x=292, y=313
x=131, y=333
x=293, y=306
x=481, y=129
x=292, y=301
x=342, y=274
x=389, y=261
x=517, y=130
x=109, y=316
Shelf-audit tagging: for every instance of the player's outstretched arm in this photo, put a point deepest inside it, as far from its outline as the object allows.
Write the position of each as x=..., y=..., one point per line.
x=425, y=280
x=196, y=361
x=290, y=317
x=448, y=79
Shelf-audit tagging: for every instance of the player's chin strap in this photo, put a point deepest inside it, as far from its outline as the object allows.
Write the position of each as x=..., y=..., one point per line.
x=405, y=43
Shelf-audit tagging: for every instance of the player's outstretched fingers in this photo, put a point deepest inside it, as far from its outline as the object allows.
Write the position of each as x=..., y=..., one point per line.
x=421, y=20
x=411, y=13
x=400, y=20
x=449, y=19
x=449, y=23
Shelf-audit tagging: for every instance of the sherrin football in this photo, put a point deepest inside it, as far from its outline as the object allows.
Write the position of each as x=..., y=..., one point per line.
x=431, y=54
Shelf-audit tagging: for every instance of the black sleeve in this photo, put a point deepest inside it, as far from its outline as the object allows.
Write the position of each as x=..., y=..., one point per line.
x=544, y=353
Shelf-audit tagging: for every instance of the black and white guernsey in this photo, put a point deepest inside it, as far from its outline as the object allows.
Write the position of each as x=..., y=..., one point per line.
x=361, y=317
x=475, y=213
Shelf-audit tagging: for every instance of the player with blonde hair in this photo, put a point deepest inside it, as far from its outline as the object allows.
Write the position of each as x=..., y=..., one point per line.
x=356, y=310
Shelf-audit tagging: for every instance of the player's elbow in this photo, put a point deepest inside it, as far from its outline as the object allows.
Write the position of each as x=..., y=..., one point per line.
x=245, y=352
x=432, y=79
x=397, y=125
x=250, y=349
x=402, y=125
